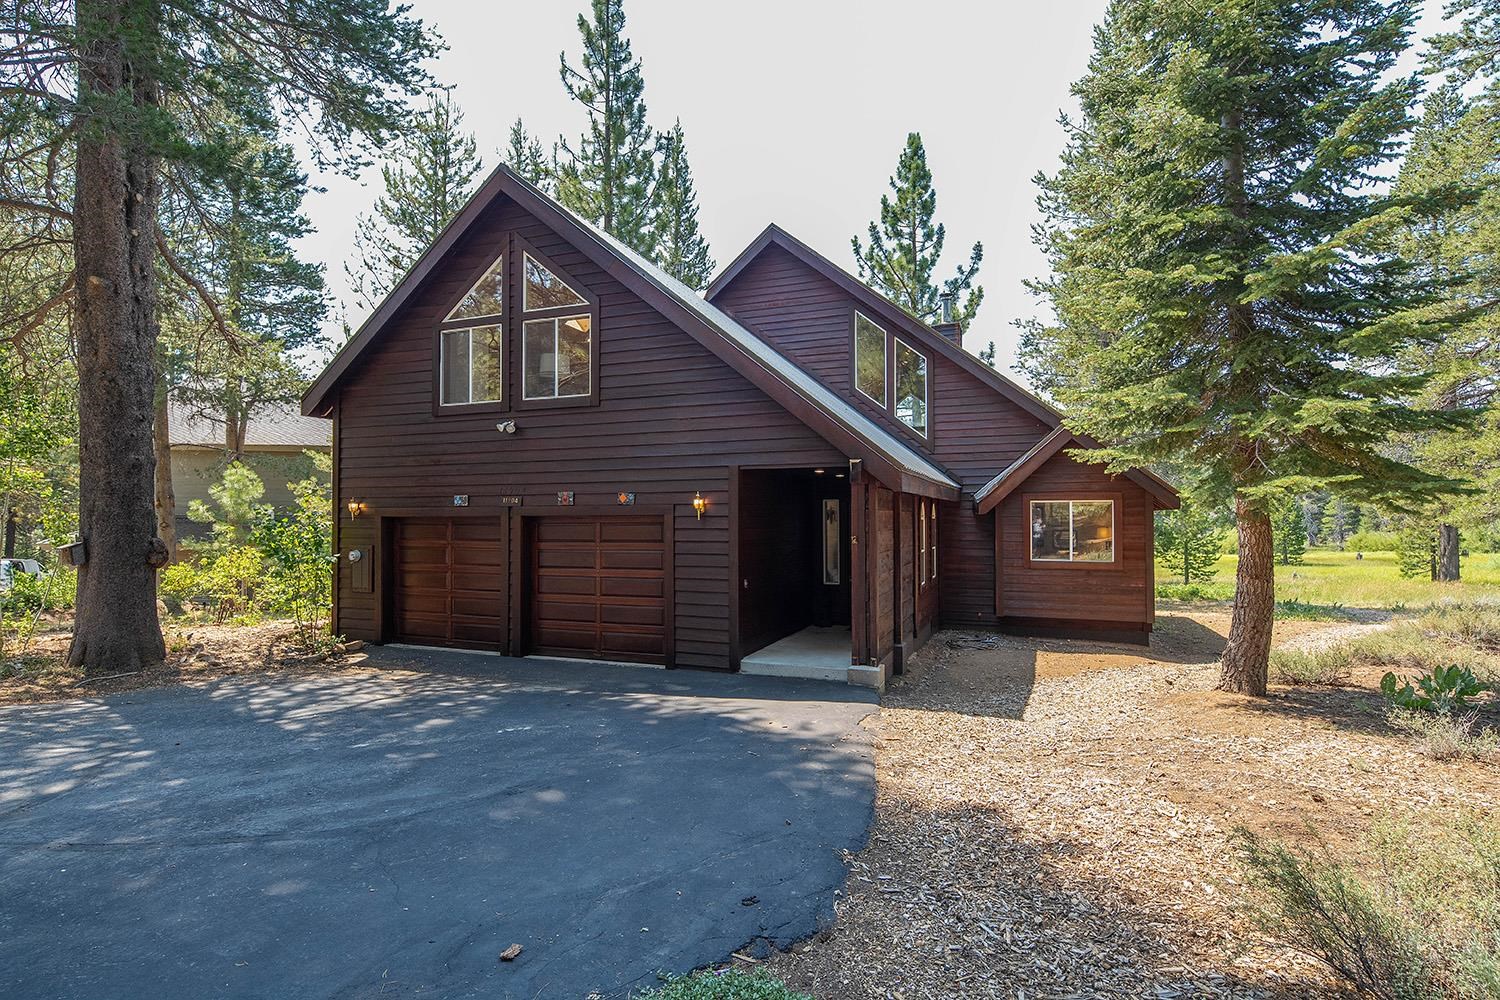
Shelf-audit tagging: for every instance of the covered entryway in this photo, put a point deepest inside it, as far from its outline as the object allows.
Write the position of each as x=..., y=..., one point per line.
x=448, y=582
x=599, y=588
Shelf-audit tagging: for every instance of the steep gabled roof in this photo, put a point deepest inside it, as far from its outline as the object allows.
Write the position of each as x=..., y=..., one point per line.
x=276, y=426
x=988, y=496
x=1163, y=494
x=885, y=456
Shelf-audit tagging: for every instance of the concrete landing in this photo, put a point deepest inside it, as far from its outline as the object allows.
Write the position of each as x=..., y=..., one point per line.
x=821, y=654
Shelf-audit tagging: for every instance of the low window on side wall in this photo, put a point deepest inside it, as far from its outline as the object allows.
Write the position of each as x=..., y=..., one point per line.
x=1076, y=531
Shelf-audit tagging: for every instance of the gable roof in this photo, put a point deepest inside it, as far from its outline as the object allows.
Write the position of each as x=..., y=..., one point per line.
x=278, y=426
x=891, y=461
x=988, y=496
x=1164, y=495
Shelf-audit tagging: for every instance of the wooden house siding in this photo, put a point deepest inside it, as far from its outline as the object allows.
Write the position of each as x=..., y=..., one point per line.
x=975, y=431
x=672, y=419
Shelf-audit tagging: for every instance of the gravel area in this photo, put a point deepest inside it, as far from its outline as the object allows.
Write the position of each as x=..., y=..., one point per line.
x=1056, y=820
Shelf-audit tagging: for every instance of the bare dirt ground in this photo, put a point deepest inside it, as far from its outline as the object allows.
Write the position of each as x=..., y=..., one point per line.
x=195, y=653
x=1056, y=819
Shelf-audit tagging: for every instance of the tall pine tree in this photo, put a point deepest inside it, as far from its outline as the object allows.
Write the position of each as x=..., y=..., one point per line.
x=679, y=248
x=905, y=245
x=1219, y=291
x=607, y=175
x=427, y=179
x=524, y=155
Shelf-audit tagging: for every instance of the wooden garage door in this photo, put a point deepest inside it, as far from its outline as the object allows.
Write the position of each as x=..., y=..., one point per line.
x=449, y=582
x=599, y=588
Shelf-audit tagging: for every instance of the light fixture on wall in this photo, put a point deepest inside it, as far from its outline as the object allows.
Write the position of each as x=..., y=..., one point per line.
x=699, y=504
x=356, y=508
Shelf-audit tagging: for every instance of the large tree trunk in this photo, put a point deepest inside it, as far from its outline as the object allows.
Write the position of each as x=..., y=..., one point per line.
x=166, y=497
x=1247, y=656
x=114, y=253
x=1446, y=567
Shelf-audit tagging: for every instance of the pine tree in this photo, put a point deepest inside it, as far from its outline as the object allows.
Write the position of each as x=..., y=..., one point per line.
x=1457, y=146
x=427, y=179
x=1188, y=541
x=680, y=248
x=905, y=245
x=117, y=87
x=524, y=155
x=1340, y=520
x=1289, y=533
x=1219, y=291
x=987, y=354
x=607, y=175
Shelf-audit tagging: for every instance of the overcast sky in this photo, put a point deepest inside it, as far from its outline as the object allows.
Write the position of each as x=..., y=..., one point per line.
x=795, y=112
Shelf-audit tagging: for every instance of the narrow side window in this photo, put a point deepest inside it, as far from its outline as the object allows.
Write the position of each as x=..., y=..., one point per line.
x=869, y=358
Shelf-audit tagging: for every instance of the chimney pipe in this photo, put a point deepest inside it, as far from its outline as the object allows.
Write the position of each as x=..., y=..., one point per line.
x=945, y=301
x=947, y=325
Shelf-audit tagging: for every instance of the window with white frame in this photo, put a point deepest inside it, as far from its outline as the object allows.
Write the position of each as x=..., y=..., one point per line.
x=869, y=358
x=556, y=356
x=471, y=343
x=911, y=388
x=1076, y=531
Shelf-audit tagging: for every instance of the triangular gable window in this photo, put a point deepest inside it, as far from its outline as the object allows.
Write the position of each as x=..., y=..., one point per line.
x=545, y=290
x=486, y=298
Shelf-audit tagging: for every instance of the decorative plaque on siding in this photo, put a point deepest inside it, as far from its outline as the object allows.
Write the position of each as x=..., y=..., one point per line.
x=565, y=498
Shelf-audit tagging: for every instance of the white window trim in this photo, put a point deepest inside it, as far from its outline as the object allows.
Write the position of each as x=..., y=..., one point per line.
x=526, y=285
x=1072, y=532
x=443, y=336
x=885, y=362
x=926, y=388
x=556, y=322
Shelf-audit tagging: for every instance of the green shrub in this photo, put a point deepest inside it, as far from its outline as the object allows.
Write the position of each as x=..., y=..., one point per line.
x=1447, y=737
x=1407, y=913
x=1473, y=622
x=1446, y=689
x=1195, y=591
x=1372, y=541
x=730, y=984
x=1299, y=610
x=1328, y=666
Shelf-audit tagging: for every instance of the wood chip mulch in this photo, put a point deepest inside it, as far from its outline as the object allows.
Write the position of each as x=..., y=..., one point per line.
x=1057, y=820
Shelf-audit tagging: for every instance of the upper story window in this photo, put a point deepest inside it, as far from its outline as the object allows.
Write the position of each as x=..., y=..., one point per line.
x=869, y=358
x=557, y=335
x=892, y=374
x=471, y=344
x=1072, y=531
x=911, y=388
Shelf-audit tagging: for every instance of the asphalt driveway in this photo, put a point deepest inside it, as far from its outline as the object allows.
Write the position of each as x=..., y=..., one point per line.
x=387, y=835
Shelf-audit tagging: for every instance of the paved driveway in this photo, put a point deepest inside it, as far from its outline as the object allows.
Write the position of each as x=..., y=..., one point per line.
x=387, y=835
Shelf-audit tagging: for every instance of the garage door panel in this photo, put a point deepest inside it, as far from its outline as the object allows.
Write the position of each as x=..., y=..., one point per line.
x=599, y=587
x=488, y=556
x=417, y=580
x=470, y=530
x=414, y=531
x=632, y=614
x=410, y=626
x=483, y=581
x=632, y=586
x=630, y=531
x=631, y=559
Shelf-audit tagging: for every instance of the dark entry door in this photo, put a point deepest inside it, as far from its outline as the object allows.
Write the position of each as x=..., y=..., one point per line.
x=449, y=582
x=599, y=588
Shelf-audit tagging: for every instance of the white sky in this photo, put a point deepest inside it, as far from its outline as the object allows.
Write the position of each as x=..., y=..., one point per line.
x=795, y=112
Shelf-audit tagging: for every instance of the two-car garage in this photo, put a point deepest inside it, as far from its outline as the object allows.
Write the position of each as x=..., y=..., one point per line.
x=580, y=587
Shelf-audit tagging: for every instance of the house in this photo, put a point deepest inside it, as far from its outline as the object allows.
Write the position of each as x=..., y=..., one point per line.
x=277, y=439
x=544, y=445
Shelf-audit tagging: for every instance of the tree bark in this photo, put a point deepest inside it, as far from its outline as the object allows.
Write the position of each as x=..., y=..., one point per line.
x=1247, y=656
x=114, y=250
x=12, y=520
x=1446, y=567
x=166, y=497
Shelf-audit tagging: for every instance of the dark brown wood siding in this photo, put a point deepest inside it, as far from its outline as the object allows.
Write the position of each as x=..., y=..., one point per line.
x=976, y=432
x=1120, y=594
x=672, y=419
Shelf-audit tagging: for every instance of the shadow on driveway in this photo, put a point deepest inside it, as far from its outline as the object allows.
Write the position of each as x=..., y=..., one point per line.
x=388, y=834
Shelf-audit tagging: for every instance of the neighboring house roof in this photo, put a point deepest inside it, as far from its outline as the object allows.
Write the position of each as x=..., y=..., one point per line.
x=279, y=426
x=887, y=457
x=1164, y=494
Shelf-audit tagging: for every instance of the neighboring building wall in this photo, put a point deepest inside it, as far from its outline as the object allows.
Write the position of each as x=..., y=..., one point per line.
x=673, y=419
x=194, y=470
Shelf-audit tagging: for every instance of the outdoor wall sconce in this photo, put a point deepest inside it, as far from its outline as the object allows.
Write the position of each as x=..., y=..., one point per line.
x=356, y=508
x=699, y=504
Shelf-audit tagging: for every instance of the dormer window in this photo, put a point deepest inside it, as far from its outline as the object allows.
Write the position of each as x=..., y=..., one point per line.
x=471, y=344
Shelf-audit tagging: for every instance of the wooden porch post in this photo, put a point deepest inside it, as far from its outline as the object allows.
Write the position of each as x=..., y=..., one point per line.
x=859, y=613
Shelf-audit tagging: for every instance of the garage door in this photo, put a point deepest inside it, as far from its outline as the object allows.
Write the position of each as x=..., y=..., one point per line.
x=449, y=582
x=599, y=588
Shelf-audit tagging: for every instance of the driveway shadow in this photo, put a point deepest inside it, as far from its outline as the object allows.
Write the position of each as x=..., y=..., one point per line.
x=388, y=834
